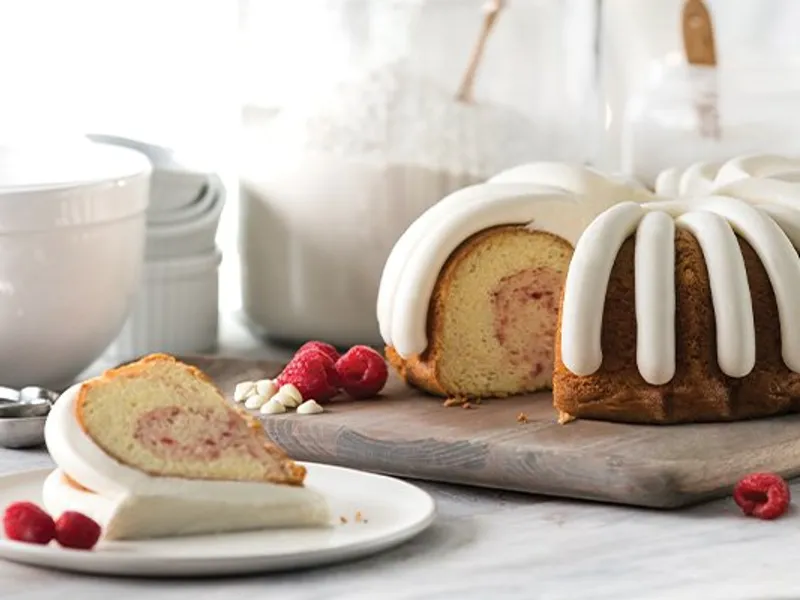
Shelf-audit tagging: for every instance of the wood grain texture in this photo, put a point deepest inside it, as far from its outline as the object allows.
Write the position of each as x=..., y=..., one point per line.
x=407, y=434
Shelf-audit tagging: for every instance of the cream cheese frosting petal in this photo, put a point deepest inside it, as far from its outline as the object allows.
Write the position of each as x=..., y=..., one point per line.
x=698, y=179
x=757, y=166
x=654, y=288
x=419, y=230
x=550, y=213
x=586, y=285
x=668, y=182
x=730, y=291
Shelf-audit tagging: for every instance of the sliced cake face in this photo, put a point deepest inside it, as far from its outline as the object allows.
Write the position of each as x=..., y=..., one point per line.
x=167, y=419
x=694, y=320
x=496, y=313
x=493, y=315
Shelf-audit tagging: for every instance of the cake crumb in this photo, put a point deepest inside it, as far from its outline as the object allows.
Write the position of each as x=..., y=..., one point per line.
x=360, y=518
x=522, y=418
x=343, y=520
x=466, y=405
x=454, y=402
x=564, y=418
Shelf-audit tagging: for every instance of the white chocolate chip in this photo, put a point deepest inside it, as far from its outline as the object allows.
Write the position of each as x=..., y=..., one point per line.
x=243, y=391
x=255, y=401
x=290, y=390
x=287, y=400
x=309, y=407
x=272, y=407
x=266, y=388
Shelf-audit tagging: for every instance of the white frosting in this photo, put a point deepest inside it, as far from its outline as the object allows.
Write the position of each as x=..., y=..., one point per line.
x=761, y=178
x=713, y=221
x=756, y=166
x=654, y=266
x=668, y=182
x=131, y=503
x=551, y=197
x=587, y=278
x=730, y=292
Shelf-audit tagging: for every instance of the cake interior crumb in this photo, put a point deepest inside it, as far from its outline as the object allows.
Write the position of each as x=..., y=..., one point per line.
x=522, y=418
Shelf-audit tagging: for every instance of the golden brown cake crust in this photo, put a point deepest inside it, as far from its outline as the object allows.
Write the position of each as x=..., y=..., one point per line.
x=699, y=391
x=420, y=370
x=294, y=473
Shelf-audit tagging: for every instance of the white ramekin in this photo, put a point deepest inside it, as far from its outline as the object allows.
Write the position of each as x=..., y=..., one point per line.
x=176, y=309
x=190, y=237
x=175, y=186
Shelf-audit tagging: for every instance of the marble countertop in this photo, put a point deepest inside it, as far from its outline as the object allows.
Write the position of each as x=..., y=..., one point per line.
x=488, y=545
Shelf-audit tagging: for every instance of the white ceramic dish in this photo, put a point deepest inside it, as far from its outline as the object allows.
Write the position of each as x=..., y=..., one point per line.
x=176, y=309
x=175, y=187
x=188, y=213
x=192, y=237
x=393, y=512
x=72, y=233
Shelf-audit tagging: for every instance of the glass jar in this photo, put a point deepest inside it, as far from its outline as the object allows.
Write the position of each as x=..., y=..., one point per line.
x=361, y=116
x=703, y=114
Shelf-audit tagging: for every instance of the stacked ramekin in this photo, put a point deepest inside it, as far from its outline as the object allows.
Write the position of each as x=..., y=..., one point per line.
x=176, y=309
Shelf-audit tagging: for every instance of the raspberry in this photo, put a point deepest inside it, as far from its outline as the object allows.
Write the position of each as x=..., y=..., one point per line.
x=322, y=356
x=762, y=495
x=26, y=522
x=76, y=530
x=313, y=373
x=362, y=372
x=326, y=349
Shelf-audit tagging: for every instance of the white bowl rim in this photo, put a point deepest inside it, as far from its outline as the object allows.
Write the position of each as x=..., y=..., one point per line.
x=39, y=194
x=94, y=163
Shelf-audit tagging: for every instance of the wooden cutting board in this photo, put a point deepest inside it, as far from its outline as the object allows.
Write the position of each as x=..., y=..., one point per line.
x=408, y=434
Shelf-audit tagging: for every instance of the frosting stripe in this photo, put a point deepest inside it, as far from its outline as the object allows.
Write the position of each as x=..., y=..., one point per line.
x=730, y=291
x=788, y=219
x=655, y=298
x=422, y=268
x=392, y=277
x=587, y=283
x=780, y=261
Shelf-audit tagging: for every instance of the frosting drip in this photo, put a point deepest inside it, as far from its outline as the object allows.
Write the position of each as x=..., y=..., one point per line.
x=655, y=291
x=586, y=285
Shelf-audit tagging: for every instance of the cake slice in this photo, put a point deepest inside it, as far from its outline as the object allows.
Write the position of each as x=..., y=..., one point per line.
x=153, y=449
x=493, y=316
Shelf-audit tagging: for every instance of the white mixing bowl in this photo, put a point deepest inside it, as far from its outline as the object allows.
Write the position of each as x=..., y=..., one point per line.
x=72, y=233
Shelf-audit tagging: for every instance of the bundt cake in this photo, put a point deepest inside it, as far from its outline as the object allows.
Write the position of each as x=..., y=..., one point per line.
x=674, y=310
x=681, y=311
x=153, y=449
x=468, y=299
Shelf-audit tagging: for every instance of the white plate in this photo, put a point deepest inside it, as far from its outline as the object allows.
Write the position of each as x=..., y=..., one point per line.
x=394, y=512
